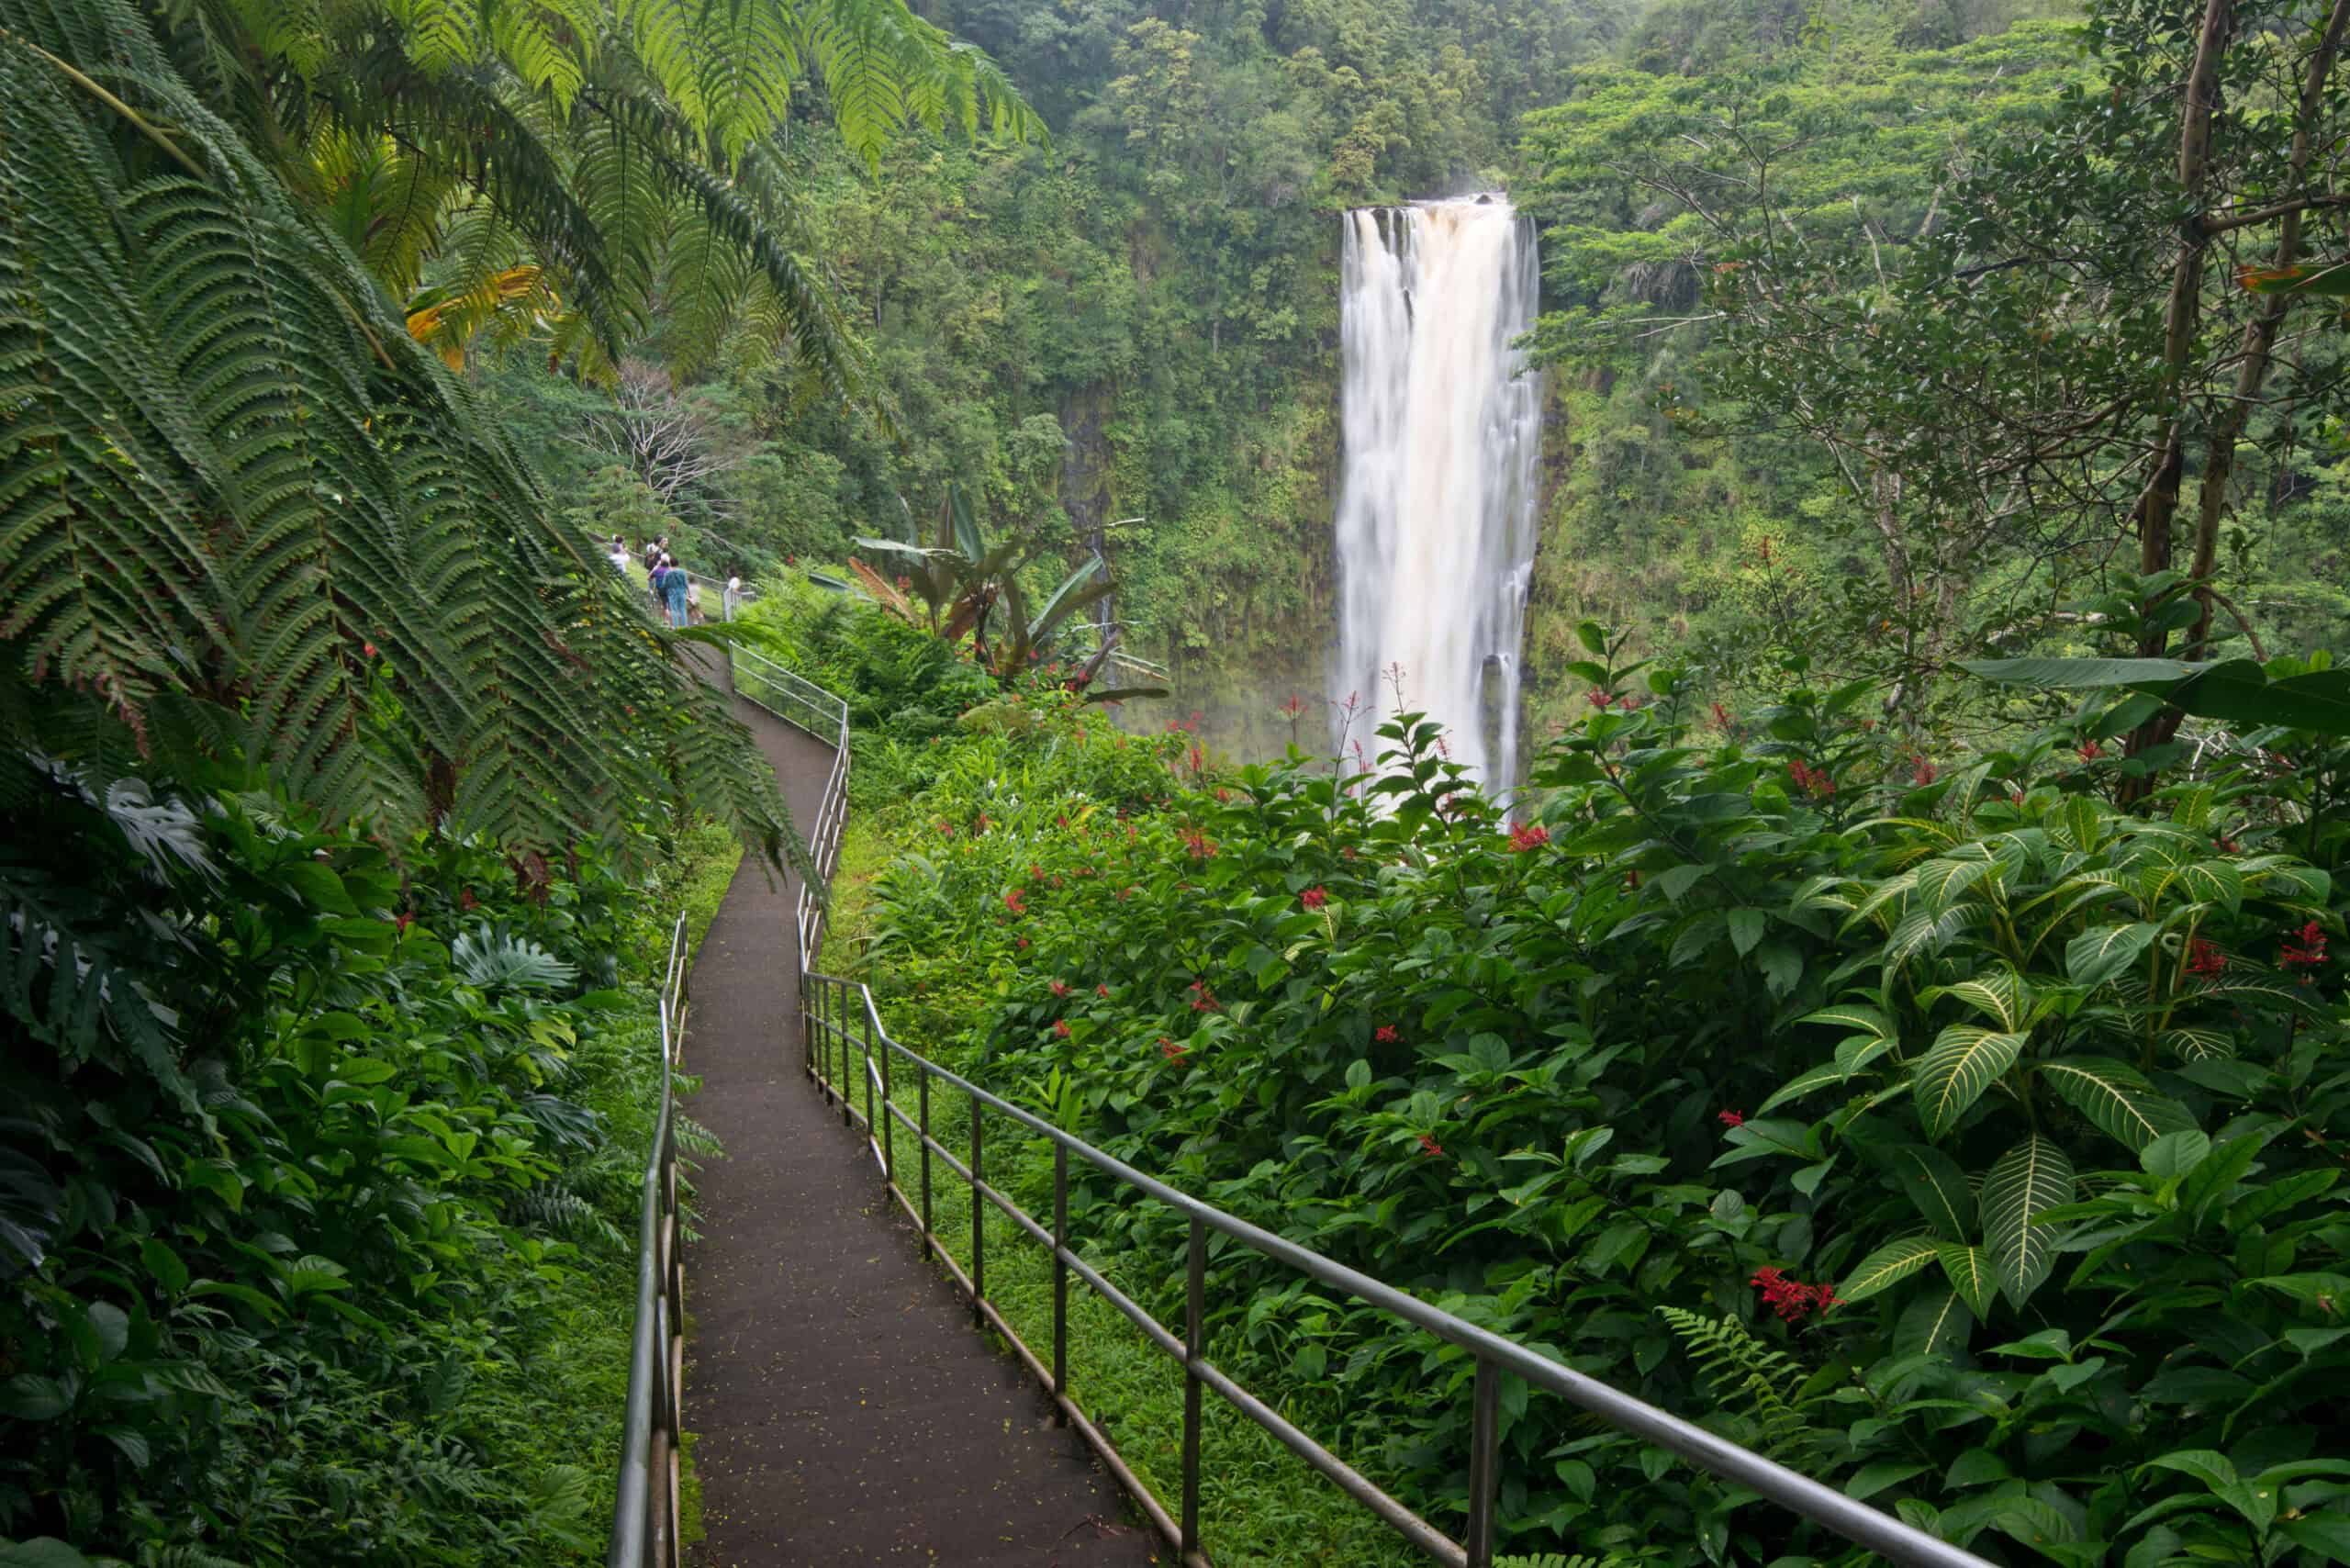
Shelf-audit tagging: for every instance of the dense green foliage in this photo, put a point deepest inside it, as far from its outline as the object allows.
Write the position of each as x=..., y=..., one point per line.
x=330, y=1199
x=1949, y=1133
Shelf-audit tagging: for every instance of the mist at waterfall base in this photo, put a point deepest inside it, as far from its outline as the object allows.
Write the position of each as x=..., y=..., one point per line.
x=1441, y=442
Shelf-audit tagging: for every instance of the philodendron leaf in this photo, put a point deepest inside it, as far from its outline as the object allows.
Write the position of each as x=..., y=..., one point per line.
x=2029, y=1180
x=1971, y=1275
x=2116, y=1099
x=2099, y=954
x=1937, y=1188
x=1963, y=1062
x=1888, y=1265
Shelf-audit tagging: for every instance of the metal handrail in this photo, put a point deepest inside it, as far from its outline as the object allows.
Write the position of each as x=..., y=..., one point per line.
x=826, y=1005
x=645, y=1511
x=806, y=706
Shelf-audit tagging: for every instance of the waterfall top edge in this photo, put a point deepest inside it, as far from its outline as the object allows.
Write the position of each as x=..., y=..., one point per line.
x=1497, y=200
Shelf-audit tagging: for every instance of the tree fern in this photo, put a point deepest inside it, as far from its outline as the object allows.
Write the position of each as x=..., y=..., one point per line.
x=1755, y=1385
x=243, y=510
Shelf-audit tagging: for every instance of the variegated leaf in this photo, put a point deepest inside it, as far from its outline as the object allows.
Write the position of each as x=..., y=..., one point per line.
x=1853, y=1054
x=2197, y=1045
x=1999, y=993
x=1970, y=1273
x=1887, y=1265
x=2116, y=1098
x=1963, y=1062
x=1936, y=1323
x=1826, y=1075
x=2212, y=881
x=1938, y=1189
x=1851, y=1015
x=2099, y=954
x=2079, y=822
x=1920, y=932
x=1943, y=883
x=2029, y=1180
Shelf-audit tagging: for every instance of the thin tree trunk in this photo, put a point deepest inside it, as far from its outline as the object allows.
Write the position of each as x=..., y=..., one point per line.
x=2260, y=333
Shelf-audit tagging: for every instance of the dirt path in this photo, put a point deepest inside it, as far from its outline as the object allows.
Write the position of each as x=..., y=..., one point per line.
x=848, y=1412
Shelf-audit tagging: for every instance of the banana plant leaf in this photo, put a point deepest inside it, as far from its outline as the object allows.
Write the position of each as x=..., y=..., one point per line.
x=2236, y=692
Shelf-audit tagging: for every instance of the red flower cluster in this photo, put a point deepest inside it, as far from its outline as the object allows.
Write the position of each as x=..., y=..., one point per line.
x=1533, y=835
x=1599, y=698
x=1428, y=1145
x=2090, y=751
x=2309, y=955
x=945, y=830
x=1721, y=717
x=1061, y=1027
x=1313, y=898
x=1731, y=1118
x=1922, y=772
x=1792, y=1299
x=370, y=647
x=1199, y=844
x=1102, y=991
x=466, y=901
x=1060, y=988
x=1204, y=999
x=2206, y=959
x=407, y=918
x=1015, y=904
x=1387, y=1035
x=1812, y=781
x=979, y=822
x=1172, y=1051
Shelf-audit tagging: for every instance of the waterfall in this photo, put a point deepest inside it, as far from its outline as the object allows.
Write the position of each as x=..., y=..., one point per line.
x=1442, y=430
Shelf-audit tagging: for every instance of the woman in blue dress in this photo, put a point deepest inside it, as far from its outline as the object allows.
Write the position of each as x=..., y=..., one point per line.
x=673, y=589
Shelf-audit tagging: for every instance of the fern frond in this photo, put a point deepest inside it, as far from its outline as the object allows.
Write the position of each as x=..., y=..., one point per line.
x=1754, y=1384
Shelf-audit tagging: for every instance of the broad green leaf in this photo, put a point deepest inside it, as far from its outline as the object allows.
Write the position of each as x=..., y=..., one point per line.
x=1922, y=932
x=1851, y=1015
x=1823, y=1075
x=1888, y=1265
x=1937, y=1187
x=1746, y=927
x=2175, y=1154
x=2116, y=1098
x=1943, y=883
x=163, y=1265
x=1963, y=1062
x=2028, y=1179
x=319, y=885
x=2099, y=954
x=2079, y=822
x=1998, y=993
x=1970, y=1273
x=2212, y=881
x=1935, y=1324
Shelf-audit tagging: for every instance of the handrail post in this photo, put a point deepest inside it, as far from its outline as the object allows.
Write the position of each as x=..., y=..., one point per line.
x=1060, y=1281
x=979, y=1226
x=1194, y=1336
x=1484, y=1444
x=889, y=1133
x=924, y=1079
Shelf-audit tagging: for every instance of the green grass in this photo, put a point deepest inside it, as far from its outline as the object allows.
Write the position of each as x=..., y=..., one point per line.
x=1261, y=1506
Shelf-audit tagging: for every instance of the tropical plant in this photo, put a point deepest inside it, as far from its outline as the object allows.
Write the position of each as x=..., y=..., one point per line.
x=571, y=163
x=248, y=517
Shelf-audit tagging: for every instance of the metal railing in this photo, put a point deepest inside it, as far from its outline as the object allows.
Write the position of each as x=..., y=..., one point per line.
x=644, y=1513
x=804, y=705
x=841, y=1013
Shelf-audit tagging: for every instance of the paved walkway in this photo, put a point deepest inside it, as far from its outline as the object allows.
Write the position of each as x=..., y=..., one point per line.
x=848, y=1412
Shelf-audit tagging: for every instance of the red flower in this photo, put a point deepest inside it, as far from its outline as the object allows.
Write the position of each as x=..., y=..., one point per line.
x=2229, y=845
x=1202, y=999
x=466, y=899
x=2090, y=751
x=1024, y=941
x=2311, y=952
x=1171, y=1050
x=407, y=918
x=1313, y=898
x=1387, y=1035
x=1428, y=1145
x=1533, y=835
x=979, y=822
x=1812, y=781
x=1060, y=988
x=1921, y=772
x=370, y=648
x=1721, y=717
x=1792, y=1299
x=1598, y=698
x=2205, y=959
x=1061, y=1028
x=1102, y=991
x=1731, y=1118
x=1015, y=904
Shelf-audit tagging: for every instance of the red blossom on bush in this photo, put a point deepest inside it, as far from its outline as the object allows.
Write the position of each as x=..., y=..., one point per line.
x=1204, y=999
x=1171, y=1050
x=1313, y=898
x=1016, y=905
x=1428, y=1145
x=979, y=822
x=1022, y=943
x=1102, y=991
x=2090, y=751
x=1387, y=1035
x=1812, y=781
x=1060, y=988
x=1061, y=1027
x=370, y=647
x=466, y=901
x=1731, y=1118
x=2229, y=846
x=407, y=918
x=1721, y=717
x=1922, y=772
x=2206, y=959
x=2309, y=953
x=1201, y=846
x=1532, y=835
x=1792, y=1299
x=1599, y=698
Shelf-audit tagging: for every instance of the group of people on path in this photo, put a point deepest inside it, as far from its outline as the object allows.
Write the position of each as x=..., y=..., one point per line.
x=675, y=593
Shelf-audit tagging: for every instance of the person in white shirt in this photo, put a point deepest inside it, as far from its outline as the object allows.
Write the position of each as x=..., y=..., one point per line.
x=734, y=596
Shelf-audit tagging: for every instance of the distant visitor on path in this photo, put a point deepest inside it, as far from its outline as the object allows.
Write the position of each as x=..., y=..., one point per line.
x=673, y=589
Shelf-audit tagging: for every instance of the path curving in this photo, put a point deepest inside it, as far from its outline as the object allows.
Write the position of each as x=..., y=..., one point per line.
x=845, y=1411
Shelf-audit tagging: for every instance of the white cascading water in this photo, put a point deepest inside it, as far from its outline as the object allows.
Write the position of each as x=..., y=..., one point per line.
x=1442, y=425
